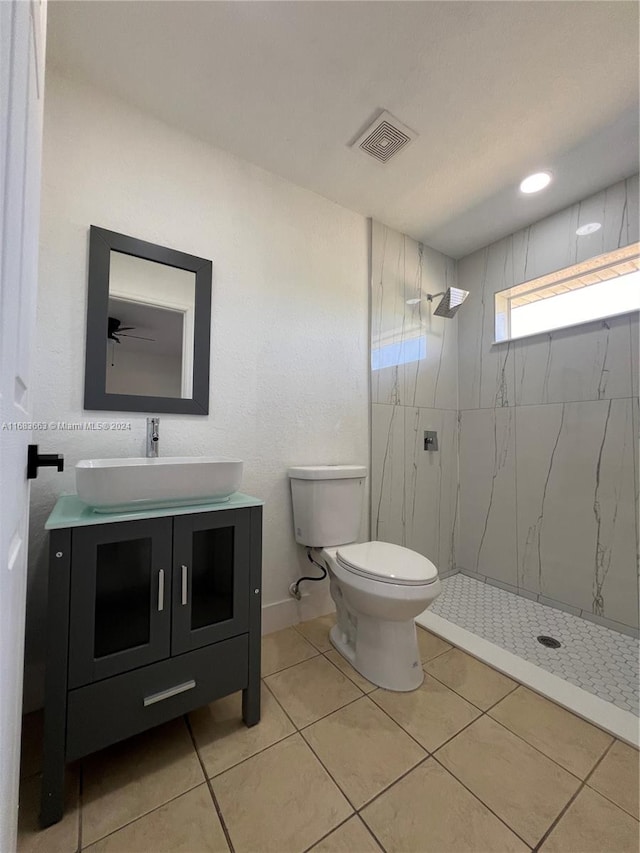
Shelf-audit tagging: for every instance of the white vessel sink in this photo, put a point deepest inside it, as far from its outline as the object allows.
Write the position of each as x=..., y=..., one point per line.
x=122, y=485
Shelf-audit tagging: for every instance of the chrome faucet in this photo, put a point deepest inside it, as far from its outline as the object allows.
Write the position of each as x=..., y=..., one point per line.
x=153, y=437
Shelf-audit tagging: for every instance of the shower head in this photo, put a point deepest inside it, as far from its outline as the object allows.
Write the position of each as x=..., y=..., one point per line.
x=451, y=300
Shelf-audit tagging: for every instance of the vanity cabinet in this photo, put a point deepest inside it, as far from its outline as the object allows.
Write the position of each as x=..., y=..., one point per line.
x=150, y=616
x=210, y=606
x=118, y=618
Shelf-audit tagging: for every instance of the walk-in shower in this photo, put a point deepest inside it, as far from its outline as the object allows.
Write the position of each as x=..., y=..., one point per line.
x=529, y=506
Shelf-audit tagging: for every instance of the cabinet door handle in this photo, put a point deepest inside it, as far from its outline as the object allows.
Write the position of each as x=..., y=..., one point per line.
x=167, y=694
x=185, y=575
x=160, y=590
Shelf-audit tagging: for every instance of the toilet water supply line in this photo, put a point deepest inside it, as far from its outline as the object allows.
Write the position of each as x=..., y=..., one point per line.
x=294, y=590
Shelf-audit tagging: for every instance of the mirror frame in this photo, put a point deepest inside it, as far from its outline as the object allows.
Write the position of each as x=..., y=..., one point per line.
x=101, y=243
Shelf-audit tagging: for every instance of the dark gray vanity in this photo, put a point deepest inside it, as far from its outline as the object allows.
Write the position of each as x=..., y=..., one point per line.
x=151, y=614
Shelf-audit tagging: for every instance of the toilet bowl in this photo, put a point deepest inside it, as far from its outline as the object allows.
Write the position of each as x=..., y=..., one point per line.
x=378, y=589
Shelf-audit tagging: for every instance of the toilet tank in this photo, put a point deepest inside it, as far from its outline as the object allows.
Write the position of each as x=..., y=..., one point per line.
x=327, y=503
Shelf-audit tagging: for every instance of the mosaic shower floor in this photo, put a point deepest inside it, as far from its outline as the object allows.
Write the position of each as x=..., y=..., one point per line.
x=592, y=657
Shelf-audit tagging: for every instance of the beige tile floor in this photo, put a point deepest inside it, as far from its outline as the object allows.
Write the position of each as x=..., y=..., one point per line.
x=472, y=761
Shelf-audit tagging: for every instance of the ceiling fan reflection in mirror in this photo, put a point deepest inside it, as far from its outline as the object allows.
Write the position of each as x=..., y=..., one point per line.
x=115, y=331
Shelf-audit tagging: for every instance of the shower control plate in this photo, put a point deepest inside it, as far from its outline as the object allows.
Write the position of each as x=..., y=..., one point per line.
x=430, y=440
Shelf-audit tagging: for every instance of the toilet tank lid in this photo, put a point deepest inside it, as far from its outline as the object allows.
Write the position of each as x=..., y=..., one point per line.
x=327, y=472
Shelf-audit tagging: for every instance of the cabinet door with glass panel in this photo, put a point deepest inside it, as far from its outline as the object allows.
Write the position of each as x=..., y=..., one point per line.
x=120, y=598
x=210, y=578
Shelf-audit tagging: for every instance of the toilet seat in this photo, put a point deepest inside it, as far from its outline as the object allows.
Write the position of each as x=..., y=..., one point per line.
x=387, y=563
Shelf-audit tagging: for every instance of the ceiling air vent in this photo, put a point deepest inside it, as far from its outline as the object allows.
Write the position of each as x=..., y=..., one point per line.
x=384, y=138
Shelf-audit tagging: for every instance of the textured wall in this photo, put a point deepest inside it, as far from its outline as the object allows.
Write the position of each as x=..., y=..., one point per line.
x=548, y=458
x=289, y=342
x=413, y=492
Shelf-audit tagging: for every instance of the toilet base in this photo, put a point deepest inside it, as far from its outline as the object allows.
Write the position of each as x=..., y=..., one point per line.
x=383, y=652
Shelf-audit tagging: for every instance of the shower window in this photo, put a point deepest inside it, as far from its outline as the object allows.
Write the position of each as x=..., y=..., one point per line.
x=604, y=286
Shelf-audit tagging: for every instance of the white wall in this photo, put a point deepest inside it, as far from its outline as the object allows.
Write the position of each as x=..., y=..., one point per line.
x=289, y=363
x=156, y=374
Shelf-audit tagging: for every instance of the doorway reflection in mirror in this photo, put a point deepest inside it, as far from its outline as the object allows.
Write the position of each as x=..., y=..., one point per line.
x=150, y=328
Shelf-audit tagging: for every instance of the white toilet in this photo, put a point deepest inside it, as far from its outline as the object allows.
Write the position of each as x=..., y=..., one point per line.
x=378, y=588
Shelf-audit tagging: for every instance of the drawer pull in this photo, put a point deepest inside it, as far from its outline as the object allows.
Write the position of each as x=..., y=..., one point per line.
x=167, y=694
x=185, y=574
x=160, y=590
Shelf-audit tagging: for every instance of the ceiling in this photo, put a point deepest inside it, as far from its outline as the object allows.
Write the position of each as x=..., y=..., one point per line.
x=494, y=90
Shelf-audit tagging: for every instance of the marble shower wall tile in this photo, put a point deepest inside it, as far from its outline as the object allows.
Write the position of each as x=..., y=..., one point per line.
x=388, y=473
x=432, y=382
x=552, y=243
x=547, y=491
x=572, y=545
x=487, y=518
x=576, y=505
x=388, y=294
x=419, y=349
x=414, y=492
x=635, y=410
x=486, y=372
x=634, y=331
x=617, y=209
x=431, y=486
x=590, y=362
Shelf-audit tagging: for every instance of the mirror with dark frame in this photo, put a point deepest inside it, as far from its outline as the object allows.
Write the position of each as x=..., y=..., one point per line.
x=148, y=327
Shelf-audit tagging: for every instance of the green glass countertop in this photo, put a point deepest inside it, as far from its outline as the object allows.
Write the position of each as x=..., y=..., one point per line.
x=70, y=511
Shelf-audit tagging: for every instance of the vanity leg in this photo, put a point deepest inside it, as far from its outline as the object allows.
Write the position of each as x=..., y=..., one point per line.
x=52, y=793
x=55, y=712
x=251, y=705
x=251, y=694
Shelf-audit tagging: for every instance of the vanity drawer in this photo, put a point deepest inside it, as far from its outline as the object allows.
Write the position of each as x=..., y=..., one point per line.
x=118, y=707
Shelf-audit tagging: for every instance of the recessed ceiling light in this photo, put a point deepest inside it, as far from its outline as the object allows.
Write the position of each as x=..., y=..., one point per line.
x=535, y=183
x=589, y=228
